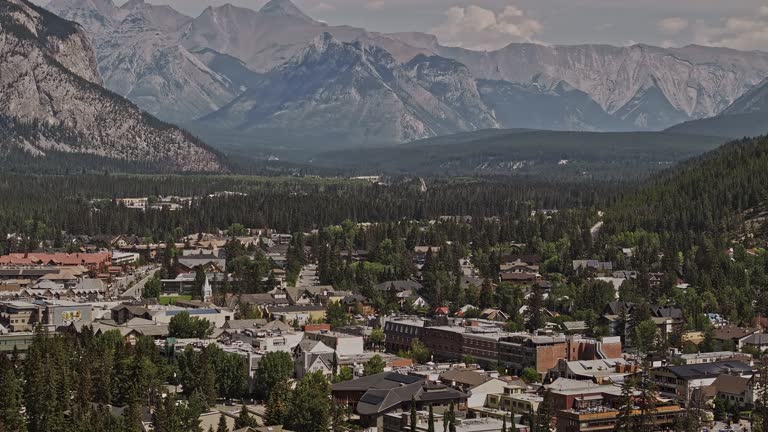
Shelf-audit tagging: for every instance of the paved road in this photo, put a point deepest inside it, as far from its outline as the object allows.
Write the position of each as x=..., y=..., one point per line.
x=135, y=290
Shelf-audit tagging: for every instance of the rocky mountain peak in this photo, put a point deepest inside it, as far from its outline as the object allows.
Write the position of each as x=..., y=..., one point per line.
x=284, y=8
x=51, y=84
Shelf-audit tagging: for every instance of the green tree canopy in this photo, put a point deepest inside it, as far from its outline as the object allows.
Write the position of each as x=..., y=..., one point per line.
x=274, y=367
x=374, y=366
x=185, y=326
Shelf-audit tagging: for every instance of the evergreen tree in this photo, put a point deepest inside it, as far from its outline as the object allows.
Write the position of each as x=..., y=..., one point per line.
x=413, y=414
x=278, y=404
x=11, y=397
x=544, y=414
x=168, y=416
x=244, y=419
x=222, y=426
x=535, y=313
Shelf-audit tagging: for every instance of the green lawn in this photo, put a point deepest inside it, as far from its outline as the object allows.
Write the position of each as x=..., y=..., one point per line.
x=170, y=300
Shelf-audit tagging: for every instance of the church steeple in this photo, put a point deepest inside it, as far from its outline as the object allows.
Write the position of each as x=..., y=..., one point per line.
x=207, y=292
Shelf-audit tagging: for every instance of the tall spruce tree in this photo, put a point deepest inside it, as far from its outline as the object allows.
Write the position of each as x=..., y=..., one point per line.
x=11, y=397
x=222, y=426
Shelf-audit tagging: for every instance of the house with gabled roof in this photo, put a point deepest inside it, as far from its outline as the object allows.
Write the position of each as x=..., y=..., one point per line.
x=375, y=396
x=313, y=355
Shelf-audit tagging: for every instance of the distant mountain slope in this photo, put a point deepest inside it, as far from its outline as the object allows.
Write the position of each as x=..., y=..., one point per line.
x=726, y=126
x=755, y=100
x=522, y=152
x=362, y=91
x=183, y=68
x=141, y=57
x=284, y=8
x=50, y=99
x=639, y=80
x=746, y=117
x=546, y=105
x=279, y=31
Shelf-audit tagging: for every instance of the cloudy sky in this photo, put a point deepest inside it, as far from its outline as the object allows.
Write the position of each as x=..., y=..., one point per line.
x=489, y=24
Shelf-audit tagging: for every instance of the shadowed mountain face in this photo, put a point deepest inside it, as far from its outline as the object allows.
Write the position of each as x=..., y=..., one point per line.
x=335, y=85
x=746, y=117
x=219, y=65
x=51, y=99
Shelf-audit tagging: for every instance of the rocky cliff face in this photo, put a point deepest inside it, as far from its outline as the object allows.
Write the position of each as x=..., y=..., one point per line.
x=630, y=82
x=182, y=68
x=334, y=85
x=141, y=58
x=50, y=95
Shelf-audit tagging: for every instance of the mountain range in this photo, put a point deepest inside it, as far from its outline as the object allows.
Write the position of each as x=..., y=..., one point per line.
x=52, y=101
x=279, y=69
x=746, y=117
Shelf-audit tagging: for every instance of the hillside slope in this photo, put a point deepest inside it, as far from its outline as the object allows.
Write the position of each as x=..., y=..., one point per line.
x=711, y=194
x=525, y=152
x=746, y=117
x=51, y=100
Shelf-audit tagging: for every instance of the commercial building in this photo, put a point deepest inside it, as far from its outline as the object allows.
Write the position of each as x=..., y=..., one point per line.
x=19, y=316
x=490, y=345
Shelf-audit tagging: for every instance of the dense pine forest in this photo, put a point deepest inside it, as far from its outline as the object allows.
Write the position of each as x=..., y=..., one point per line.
x=49, y=204
x=701, y=222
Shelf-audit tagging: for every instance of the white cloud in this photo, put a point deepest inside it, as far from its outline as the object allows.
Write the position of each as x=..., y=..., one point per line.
x=376, y=4
x=744, y=33
x=478, y=28
x=673, y=25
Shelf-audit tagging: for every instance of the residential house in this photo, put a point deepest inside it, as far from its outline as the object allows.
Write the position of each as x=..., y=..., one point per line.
x=476, y=385
x=757, y=341
x=594, y=265
x=123, y=313
x=738, y=390
x=731, y=336
x=344, y=344
x=680, y=381
x=312, y=356
x=381, y=397
x=494, y=314
x=616, y=314
x=209, y=263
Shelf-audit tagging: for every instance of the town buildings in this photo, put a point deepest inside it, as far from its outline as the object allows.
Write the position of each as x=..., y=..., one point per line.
x=487, y=343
